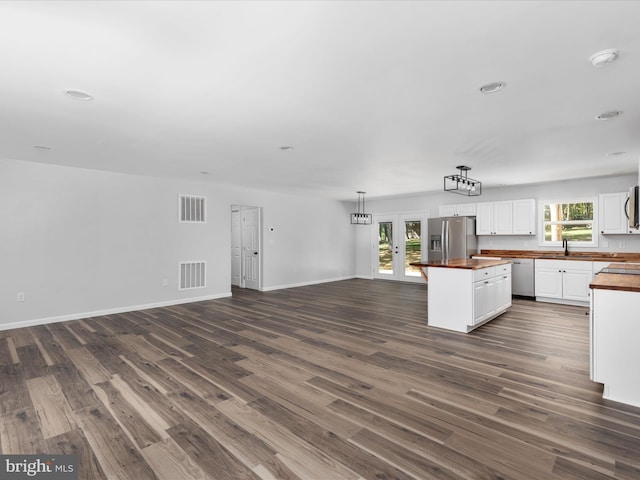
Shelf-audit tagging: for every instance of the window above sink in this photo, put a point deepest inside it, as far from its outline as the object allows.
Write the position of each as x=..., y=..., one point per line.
x=571, y=220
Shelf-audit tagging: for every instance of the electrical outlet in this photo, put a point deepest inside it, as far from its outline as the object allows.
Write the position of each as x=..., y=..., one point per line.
x=165, y=282
x=20, y=297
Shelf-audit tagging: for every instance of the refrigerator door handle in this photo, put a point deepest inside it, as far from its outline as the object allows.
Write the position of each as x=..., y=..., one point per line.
x=445, y=239
x=448, y=240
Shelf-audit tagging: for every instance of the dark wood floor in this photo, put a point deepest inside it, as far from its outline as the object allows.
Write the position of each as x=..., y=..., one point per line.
x=335, y=381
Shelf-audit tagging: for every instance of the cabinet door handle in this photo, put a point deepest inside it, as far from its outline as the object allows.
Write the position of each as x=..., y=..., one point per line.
x=486, y=281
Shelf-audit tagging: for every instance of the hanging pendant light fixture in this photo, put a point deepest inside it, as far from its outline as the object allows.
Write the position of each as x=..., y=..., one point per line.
x=460, y=183
x=361, y=218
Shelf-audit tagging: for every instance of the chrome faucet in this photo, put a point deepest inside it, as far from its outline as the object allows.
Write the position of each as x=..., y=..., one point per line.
x=565, y=244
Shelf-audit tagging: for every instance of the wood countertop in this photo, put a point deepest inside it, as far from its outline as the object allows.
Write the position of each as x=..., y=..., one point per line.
x=617, y=281
x=464, y=263
x=559, y=255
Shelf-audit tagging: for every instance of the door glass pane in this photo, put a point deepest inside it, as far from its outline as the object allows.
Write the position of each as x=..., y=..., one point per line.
x=385, y=247
x=412, y=246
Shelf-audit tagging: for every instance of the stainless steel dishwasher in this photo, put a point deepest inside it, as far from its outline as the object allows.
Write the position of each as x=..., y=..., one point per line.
x=522, y=276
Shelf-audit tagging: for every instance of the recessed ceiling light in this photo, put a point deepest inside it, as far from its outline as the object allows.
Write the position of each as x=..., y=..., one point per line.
x=79, y=95
x=492, y=87
x=604, y=57
x=286, y=148
x=609, y=115
x=41, y=147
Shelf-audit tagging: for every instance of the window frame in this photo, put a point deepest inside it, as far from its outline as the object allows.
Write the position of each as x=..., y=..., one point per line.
x=572, y=243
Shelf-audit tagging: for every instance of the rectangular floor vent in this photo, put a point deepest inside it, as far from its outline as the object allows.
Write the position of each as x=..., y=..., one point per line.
x=192, y=209
x=193, y=275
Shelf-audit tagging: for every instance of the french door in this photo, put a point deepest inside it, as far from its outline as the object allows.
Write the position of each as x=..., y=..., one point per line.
x=398, y=241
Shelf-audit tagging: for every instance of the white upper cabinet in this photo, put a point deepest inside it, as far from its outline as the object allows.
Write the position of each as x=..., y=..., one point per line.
x=484, y=219
x=447, y=210
x=517, y=217
x=494, y=218
x=613, y=218
x=524, y=217
x=466, y=209
x=503, y=218
x=463, y=210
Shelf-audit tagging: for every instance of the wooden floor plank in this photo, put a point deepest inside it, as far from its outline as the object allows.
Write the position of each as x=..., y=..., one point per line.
x=131, y=420
x=20, y=433
x=53, y=411
x=118, y=456
x=245, y=446
x=75, y=443
x=363, y=463
x=7, y=349
x=209, y=454
x=170, y=462
x=14, y=394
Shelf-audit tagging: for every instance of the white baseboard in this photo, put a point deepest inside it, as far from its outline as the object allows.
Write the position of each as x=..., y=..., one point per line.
x=562, y=301
x=304, y=284
x=364, y=277
x=110, y=311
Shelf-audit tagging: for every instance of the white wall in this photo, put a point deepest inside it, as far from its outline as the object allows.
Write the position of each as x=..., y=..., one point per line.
x=80, y=242
x=306, y=240
x=569, y=189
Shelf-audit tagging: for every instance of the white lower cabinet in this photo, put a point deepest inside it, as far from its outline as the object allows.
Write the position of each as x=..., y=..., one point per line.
x=563, y=281
x=463, y=299
x=491, y=295
x=615, y=355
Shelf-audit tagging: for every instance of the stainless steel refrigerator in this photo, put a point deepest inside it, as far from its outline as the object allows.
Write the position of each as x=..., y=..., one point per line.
x=452, y=237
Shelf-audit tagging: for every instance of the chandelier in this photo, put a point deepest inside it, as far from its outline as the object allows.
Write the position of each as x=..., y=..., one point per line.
x=361, y=218
x=460, y=183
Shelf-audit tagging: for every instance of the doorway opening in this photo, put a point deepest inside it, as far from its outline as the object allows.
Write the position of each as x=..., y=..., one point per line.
x=246, y=247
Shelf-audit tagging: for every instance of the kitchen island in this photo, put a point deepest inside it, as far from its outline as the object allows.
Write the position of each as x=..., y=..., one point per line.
x=615, y=332
x=465, y=293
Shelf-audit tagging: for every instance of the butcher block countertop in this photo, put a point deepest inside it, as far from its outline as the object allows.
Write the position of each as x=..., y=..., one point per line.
x=559, y=255
x=617, y=281
x=465, y=263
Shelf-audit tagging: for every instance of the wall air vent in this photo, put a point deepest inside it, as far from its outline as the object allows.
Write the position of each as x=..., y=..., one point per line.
x=192, y=275
x=191, y=209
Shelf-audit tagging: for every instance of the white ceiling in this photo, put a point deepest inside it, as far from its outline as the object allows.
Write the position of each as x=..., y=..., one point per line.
x=376, y=96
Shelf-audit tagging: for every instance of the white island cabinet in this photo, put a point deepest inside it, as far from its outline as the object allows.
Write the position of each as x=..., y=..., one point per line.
x=615, y=330
x=466, y=293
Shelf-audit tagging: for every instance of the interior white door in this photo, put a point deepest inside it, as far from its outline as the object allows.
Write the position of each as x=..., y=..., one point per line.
x=398, y=241
x=251, y=246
